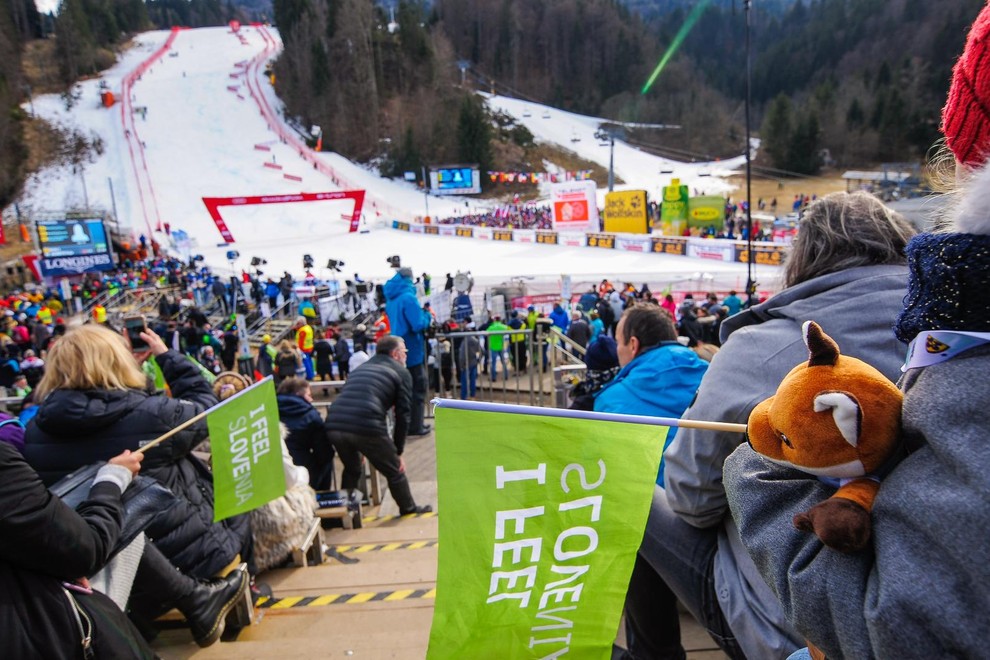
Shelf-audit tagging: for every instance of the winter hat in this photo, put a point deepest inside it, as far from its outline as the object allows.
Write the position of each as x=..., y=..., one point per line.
x=602, y=354
x=406, y=272
x=966, y=115
x=949, y=273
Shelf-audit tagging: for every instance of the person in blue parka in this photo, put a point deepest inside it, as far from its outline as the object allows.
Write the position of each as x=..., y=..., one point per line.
x=659, y=376
x=409, y=320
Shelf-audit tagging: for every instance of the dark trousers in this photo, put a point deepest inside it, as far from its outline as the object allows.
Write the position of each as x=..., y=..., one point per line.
x=675, y=562
x=158, y=585
x=519, y=356
x=317, y=457
x=418, y=398
x=381, y=452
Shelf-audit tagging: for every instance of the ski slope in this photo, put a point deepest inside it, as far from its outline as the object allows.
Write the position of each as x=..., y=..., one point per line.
x=212, y=127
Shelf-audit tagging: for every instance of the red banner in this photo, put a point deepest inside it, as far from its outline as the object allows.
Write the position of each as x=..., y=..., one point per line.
x=213, y=205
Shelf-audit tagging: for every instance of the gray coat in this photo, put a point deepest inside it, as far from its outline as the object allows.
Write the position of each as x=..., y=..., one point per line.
x=856, y=307
x=921, y=591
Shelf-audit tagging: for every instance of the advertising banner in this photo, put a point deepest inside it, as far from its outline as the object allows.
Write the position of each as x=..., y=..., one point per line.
x=547, y=237
x=626, y=212
x=674, y=210
x=448, y=230
x=705, y=211
x=606, y=241
x=574, y=206
x=633, y=244
x=766, y=255
x=213, y=205
x=524, y=236
x=572, y=238
x=677, y=246
x=484, y=233
x=247, y=454
x=539, y=531
x=72, y=247
x=715, y=250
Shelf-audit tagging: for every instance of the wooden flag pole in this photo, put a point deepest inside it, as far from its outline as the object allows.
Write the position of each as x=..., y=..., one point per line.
x=189, y=422
x=181, y=427
x=728, y=427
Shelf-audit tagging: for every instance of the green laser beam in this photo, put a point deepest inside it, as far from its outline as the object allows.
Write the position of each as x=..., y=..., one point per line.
x=676, y=43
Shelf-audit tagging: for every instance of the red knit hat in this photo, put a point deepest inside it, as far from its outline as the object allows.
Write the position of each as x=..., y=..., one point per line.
x=966, y=116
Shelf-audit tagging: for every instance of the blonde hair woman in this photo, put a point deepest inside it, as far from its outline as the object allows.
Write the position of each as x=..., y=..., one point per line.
x=94, y=403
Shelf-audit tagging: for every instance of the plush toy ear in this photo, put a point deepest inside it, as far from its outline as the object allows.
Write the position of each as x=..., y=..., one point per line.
x=846, y=413
x=823, y=351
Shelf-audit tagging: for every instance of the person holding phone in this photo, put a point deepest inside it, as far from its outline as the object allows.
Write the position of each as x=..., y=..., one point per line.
x=95, y=402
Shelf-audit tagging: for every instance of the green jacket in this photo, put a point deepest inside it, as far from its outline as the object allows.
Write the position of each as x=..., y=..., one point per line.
x=497, y=342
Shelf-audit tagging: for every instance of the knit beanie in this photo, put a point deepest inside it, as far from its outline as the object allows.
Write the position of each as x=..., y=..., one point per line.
x=602, y=354
x=949, y=272
x=966, y=115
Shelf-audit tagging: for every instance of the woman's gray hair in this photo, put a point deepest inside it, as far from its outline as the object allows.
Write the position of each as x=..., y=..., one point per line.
x=846, y=230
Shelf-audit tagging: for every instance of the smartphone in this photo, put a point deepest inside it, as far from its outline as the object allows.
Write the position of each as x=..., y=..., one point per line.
x=135, y=325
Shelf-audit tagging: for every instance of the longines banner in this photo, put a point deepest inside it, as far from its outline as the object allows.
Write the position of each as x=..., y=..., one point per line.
x=484, y=233
x=525, y=235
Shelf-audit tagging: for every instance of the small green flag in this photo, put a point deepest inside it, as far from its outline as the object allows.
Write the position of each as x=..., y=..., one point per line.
x=247, y=451
x=542, y=518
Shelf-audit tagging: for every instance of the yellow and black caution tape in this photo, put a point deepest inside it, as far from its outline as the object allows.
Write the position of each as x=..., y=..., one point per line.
x=368, y=519
x=372, y=547
x=345, y=599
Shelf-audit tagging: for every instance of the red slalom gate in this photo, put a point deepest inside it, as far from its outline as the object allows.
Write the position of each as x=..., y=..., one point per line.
x=213, y=205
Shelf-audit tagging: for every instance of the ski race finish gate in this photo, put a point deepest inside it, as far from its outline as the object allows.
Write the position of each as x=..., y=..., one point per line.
x=213, y=205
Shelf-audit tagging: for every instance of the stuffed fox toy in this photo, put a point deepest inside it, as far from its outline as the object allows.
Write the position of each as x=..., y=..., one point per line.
x=837, y=418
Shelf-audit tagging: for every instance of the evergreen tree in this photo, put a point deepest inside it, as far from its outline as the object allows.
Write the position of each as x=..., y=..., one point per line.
x=775, y=135
x=474, y=134
x=804, y=154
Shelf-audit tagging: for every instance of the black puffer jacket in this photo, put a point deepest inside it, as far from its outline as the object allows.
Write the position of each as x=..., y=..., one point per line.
x=42, y=543
x=368, y=394
x=74, y=428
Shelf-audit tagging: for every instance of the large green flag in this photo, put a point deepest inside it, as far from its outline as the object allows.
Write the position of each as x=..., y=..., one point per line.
x=542, y=518
x=247, y=451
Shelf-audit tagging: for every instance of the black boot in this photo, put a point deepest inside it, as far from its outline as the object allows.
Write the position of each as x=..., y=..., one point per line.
x=403, y=497
x=207, y=606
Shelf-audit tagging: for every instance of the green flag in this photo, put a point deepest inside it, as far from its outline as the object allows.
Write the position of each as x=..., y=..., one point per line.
x=542, y=518
x=247, y=451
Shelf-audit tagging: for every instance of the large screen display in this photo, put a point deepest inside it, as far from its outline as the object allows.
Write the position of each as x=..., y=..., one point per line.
x=70, y=247
x=455, y=180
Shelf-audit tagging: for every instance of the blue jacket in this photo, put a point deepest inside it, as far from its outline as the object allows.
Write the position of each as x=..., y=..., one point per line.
x=272, y=290
x=660, y=382
x=559, y=318
x=408, y=320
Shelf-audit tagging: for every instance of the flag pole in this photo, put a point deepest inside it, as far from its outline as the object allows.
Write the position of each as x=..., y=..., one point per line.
x=584, y=414
x=189, y=422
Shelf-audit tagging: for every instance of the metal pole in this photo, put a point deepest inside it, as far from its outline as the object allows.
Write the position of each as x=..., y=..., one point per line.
x=611, y=162
x=750, y=282
x=113, y=202
x=426, y=192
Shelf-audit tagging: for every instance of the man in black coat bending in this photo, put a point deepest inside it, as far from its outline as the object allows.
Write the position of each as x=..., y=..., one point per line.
x=357, y=421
